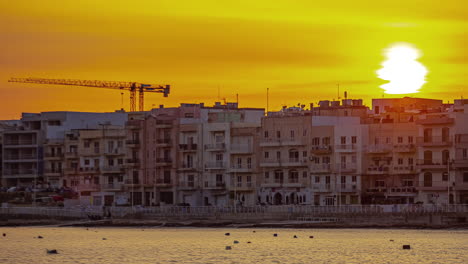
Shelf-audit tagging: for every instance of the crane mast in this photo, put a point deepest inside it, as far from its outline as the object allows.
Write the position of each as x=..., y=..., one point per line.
x=132, y=87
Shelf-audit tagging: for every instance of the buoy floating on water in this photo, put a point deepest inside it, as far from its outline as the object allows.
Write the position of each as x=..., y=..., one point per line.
x=228, y=248
x=391, y=240
x=40, y=237
x=311, y=236
x=4, y=234
x=275, y=235
x=52, y=251
x=295, y=236
x=104, y=238
x=227, y=234
x=406, y=247
x=236, y=242
x=248, y=242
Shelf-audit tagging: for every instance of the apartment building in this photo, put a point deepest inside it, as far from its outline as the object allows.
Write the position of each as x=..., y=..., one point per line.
x=284, y=148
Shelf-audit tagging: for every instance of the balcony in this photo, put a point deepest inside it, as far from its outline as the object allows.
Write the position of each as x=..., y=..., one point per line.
x=291, y=162
x=241, y=169
x=346, y=167
x=460, y=163
x=320, y=168
x=378, y=149
x=163, y=142
x=71, y=155
x=393, y=190
x=132, y=162
x=346, y=148
x=321, y=149
x=215, y=147
x=434, y=142
x=187, y=167
x=432, y=120
x=276, y=142
x=163, y=123
x=187, y=186
x=404, y=170
x=241, y=149
x=188, y=147
x=163, y=162
x=242, y=186
x=112, y=169
x=215, y=185
x=348, y=187
x=115, y=152
x=87, y=187
x=431, y=164
x=53, y=172
x=132, y=143
x=322, y=187
x=215, y=165
x=275, y=184
x=112, y=186
x=132, y=182
x=378, y=170
x=404, y=148
x=88, y=170
x=19, y=173
x=20, y=157
x=53, y=156
x=19, y=142
x=134, y=124
x=432, y=188
x=163, y=183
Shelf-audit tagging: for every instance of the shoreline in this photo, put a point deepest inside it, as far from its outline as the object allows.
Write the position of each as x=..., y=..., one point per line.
x=224, y=224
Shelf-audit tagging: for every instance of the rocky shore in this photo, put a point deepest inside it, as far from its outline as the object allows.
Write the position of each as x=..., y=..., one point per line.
x=221, y=224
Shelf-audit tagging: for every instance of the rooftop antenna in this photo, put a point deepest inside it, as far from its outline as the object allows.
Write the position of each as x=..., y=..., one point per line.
x=218, y=93
x=338, y=87
x=121, y=101
x=268, y=89
x=237, y=99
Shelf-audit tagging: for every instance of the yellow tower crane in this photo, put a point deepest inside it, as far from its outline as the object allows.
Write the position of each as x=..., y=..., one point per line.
x=133, y=87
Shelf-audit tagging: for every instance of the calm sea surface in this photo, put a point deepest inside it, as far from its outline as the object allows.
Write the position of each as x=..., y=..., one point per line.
x=154, y=245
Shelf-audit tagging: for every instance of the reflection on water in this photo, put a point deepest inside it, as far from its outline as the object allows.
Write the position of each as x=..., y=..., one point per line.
x=133, y=245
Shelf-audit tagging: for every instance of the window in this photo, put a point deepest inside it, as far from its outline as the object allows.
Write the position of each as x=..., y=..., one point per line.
x=293, y=176
x=87, y=144
x=327, y=179
x=387, y=140
x=316, y=141
x=464, y=153
x=239, y=181
x=292, y=133
x=110, y=162
x=304, y=174
x=304, y=154
x=353, y=139
x=249, y=162
x=353, y=159
x=239, y=162
x=167, y=176
x=400, y=161
x=267, y=154
x=427, y=179
x=445, y=157
x=410, y=139
x=343, y=140
x=219, y=179
x=445, y=176
x=278, y=155
x=354, y=178
x=86, y=161
x=410, y=161
x=326, y=160
x=326, y=141
x=407, y=183
x=278, y=134
x=379, y=183
x=265, y=134
x=400, y=140
x=191, y=180
x=219, y=157
x=278, y=176
x=465, y=176
x=317, y=179
x=120, y=144
x=267, y=175
x=304, y=133
x=249, y=180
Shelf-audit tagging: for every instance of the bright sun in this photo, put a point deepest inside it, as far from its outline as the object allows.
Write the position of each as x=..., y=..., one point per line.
x=405, y=74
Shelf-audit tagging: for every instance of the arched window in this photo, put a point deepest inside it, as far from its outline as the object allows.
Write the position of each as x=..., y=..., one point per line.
x=427, y=179
x=445, y=157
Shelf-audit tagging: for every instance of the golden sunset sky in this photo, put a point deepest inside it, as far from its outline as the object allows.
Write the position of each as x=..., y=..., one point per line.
x=299, y=49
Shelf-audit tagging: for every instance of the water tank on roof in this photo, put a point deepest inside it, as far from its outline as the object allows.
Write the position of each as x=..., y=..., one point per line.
x=347, y=102
x=325, y=103
x=357, y=102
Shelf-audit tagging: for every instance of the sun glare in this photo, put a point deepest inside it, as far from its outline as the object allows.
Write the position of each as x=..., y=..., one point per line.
x=405, y=74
